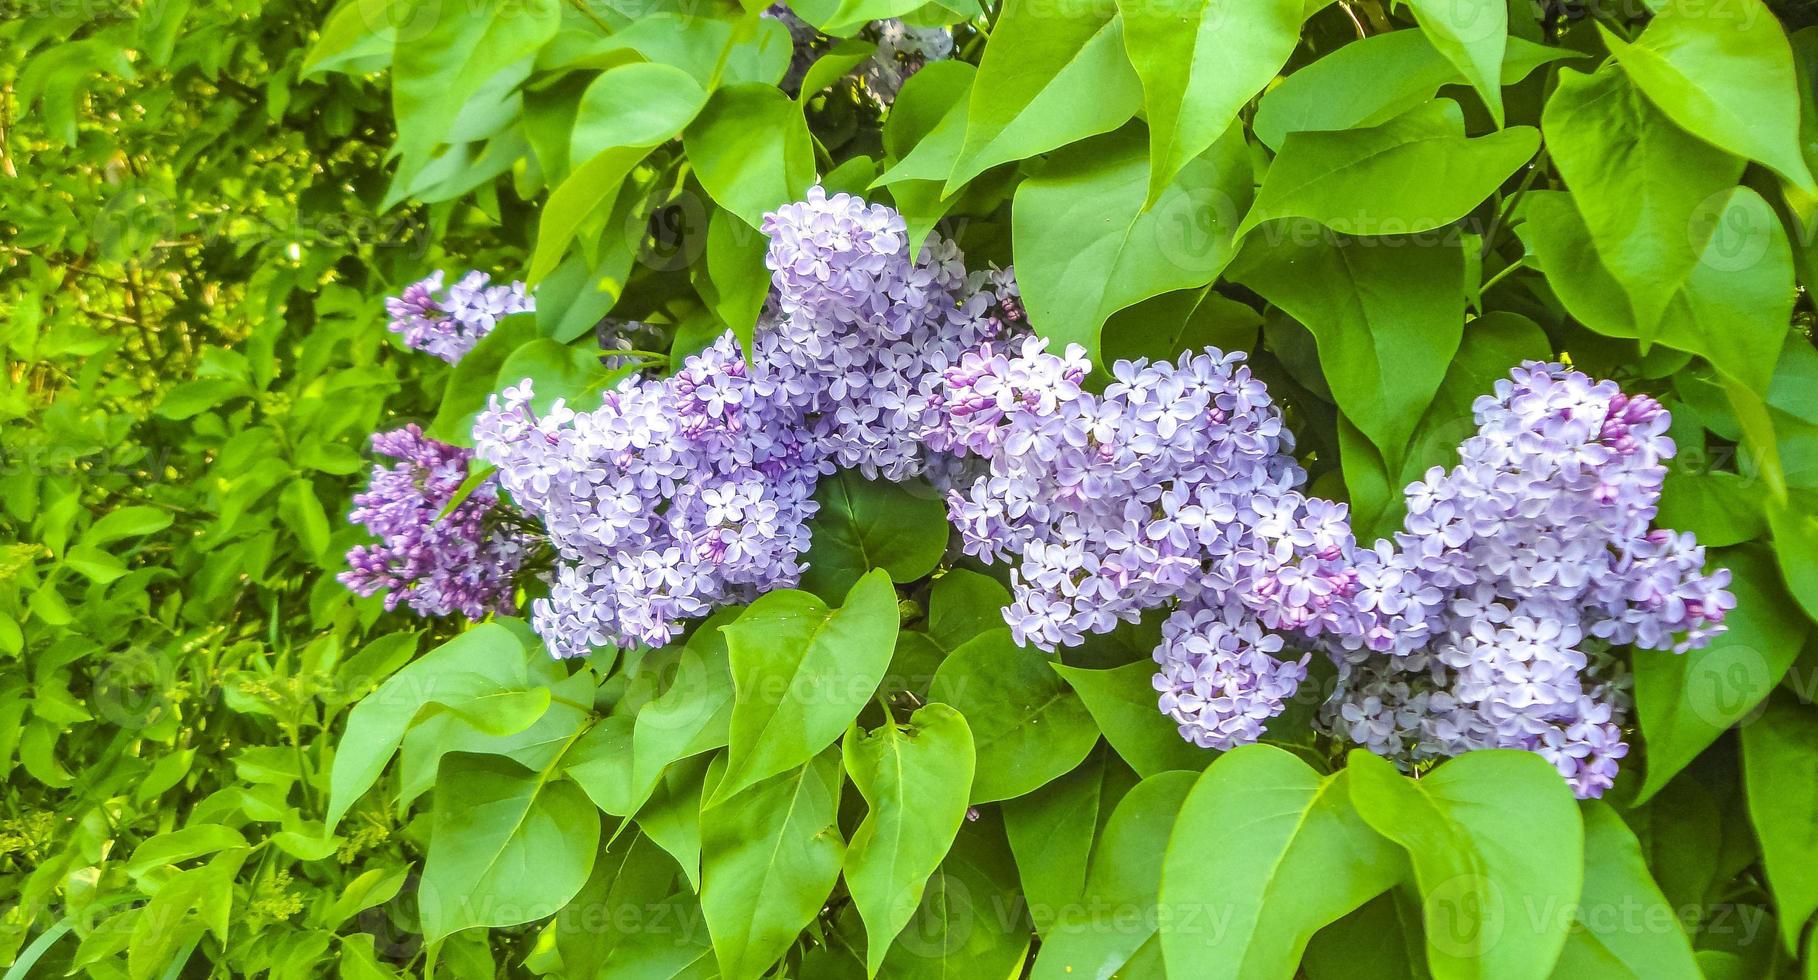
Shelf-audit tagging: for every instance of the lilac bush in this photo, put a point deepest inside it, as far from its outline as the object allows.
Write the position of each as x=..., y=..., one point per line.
x=1488, y=621
x=684, y=493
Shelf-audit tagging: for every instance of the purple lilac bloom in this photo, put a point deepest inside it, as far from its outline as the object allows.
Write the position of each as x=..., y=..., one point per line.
x=449, y=322
x=1174, y=487
x=676, y=495
x=1515, y=573
x=684, y=493
x=866, y=332
x=462, y=562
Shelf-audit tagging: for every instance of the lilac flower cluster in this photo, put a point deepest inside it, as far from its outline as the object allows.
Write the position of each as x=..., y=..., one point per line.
x=462, y=562
x=866, y=332
x=680, y=494
x=674, y=496
x=1514, y=573
x=1173, y=487
x=449, y=322
x=1488, y=622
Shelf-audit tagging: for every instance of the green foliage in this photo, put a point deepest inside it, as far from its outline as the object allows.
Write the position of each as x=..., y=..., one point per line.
x=1313, y=860
x=219, y=762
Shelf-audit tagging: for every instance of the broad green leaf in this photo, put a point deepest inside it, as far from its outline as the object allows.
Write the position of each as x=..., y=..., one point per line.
x=1200, y=62
x=630, y=877
x=1796, y=547
x=692, y=716
x=802, y=672
x=1733, y=309
x=1792, y=412
x=1123, y=702
x=872, y=524
x=1086, y=248
x=1724, y=74
x=185, y=906
x=1028, y=725
x=1098, y=937
x=1191, y=320
x=572, y=299
x=970, y=922
x=1472, y=35
x=1051, y=75
x=751, y=149
x=1720, y=507
x=854, y=176
x=1053, y=830
x=509, y=845
x=835, y=65
x=1380, y=941
x=1643, y=185
x=658, y=950
x=923, y=135
x=1497, y=847
x=1292, y=856
x=178, y=846
x=672, y=817
x=192, y=398
x=134, y=521
x=487, y=659
x=1780, y=764
x=589, y=190
x=915, y=780
x=639, y=104
x=1387, y=320
x=737, y=282
x=503, y=722
x=700, y=43
x=1372, y=80
x=1414, y=173
x=1625, y=926
x=1802, y=205
x=961, y=605
x=770, y=855
x=370, y=889
x=1684, y=701
x=1492, y=345
x=435, y=71
x=357, y=37
x=558, y=371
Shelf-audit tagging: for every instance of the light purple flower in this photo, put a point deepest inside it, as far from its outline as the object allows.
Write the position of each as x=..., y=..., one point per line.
x=462, y=562
x=449, y=322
